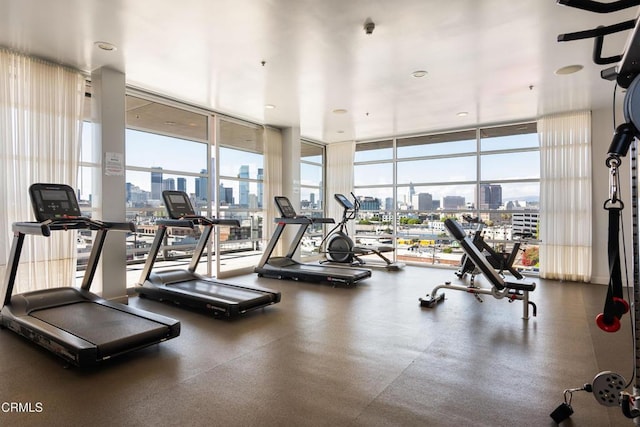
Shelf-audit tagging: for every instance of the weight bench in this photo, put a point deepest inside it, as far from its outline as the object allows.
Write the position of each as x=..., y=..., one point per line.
x=512, y=289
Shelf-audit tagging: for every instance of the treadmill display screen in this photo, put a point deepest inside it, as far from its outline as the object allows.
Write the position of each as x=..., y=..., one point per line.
x=178, y=204
x=285, y=207
x=51, y=201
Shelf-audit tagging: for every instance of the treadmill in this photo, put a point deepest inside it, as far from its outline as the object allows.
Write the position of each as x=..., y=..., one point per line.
x=73, y=323
x=287, y=268
x=186, y=287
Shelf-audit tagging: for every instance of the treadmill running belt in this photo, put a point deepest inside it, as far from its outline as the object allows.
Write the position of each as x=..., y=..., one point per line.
x=109, y=329
x=229, y=294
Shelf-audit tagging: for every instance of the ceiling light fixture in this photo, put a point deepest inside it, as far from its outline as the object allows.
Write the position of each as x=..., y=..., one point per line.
x=569, y=69
x=462, y=114
x=340, y=111
x=109, y=47
x=269, y=106
x=419, y=73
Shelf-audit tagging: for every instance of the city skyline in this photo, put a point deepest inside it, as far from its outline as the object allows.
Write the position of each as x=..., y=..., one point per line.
x=158, y=183
x=174, y=154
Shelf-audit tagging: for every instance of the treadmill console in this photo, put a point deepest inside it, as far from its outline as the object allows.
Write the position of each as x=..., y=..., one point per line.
x=285, y=207
x=178, y=204
x=346, y=203
x=53, y=201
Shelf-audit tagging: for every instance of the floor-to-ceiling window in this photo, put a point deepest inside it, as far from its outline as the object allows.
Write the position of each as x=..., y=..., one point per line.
x=166, y=148
x=312, y=193
x=240, y=190
x=89, y=166
x=374, y=187
x=408, y=186
x=509, y=189
x=170, y=146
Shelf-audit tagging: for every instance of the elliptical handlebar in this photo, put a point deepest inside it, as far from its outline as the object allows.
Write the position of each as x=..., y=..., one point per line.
x=350, y=208
x=356, y=202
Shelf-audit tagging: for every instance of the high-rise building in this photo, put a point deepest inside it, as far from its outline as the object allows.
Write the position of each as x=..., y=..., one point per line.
x=136, y=196
x=226, y=195
x=244, y=186
x=201, y=186
x=453, y=202
x=169, y=184
x=182, y=184
x=490, y=196
x=156, y=184
x=260, y=186
x=425, y=202
x=127, y=189
x=368, y=203
x=388, y=204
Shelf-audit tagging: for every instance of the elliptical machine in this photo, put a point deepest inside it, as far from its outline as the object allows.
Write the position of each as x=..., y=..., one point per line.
x=340, y=248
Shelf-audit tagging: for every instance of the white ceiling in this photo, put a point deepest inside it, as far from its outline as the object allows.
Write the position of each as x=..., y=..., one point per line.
x=494, y=59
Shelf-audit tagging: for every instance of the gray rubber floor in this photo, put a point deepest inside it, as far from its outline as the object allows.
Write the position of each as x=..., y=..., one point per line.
x=325, y=356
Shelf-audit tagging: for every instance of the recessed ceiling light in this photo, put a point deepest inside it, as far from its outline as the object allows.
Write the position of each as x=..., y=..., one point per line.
x=419, y=73
x=269, y=106
x=569, y=69
x=462, y=114
x=106, y=46
x=340, y=111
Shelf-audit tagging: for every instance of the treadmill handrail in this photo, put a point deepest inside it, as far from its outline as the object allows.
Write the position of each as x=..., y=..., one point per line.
x=69, y=223
x=183, y=223
x=20, y=229
x=323, y=221
x=37, y=228
x=213, y=221
x=293, y=220
x=304, y=220
x=197, y=219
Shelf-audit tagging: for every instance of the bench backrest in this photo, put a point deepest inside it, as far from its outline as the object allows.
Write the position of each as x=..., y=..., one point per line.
x=474, y=253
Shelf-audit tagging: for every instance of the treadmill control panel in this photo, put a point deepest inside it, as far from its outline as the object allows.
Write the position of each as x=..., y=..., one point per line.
x=285, y=207
x=178, y=204
x=53, y=201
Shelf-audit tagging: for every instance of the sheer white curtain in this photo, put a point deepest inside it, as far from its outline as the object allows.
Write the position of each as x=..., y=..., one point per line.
x=565, y=196
x=40, y=127
x=272, y=183
x=340, y=156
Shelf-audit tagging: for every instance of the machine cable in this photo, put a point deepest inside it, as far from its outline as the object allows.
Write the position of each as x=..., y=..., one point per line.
x=615, y=305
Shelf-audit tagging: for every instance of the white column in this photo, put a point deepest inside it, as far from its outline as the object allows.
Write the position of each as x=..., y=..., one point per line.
x=108, y=117
x=291, y=178
x=291, y=164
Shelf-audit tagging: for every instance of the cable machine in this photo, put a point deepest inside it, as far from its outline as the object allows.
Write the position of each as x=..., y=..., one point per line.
x=609, y=388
